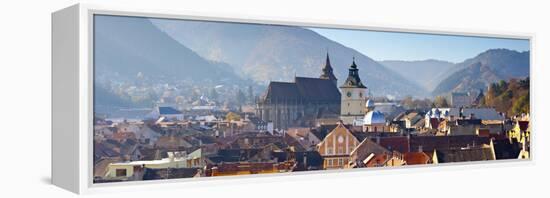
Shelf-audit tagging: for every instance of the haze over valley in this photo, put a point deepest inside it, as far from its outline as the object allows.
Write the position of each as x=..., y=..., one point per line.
x=142, y=59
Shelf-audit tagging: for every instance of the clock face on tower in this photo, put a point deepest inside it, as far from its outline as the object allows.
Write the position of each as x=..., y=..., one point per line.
x=349, y=94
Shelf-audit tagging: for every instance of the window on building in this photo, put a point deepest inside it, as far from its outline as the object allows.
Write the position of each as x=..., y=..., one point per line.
x=329, y=151
x=340, y=162
x=329, y=162
x=121, y=172
x=340, y=150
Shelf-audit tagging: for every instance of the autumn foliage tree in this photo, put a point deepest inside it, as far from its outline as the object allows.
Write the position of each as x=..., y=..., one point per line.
x=232, y=117
x=411, y=103
x=441, y=102
x=511, y=97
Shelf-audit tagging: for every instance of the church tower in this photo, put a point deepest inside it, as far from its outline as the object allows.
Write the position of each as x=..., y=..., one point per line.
x=353, y=96
x=327, y=72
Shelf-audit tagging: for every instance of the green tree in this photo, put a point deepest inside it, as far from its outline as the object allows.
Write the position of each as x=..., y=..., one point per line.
x=502, y=86
x=521, y=105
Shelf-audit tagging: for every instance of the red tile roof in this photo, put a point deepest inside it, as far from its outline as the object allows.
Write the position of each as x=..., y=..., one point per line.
x=377, y=160
x=414, y=158
x=484, y=133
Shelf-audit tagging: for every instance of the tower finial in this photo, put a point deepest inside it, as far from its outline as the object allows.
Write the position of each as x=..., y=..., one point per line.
x=353, y=65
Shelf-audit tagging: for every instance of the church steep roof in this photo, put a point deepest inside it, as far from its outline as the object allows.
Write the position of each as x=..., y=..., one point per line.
x=308, y=89
x=282, y=91
x=317, y=89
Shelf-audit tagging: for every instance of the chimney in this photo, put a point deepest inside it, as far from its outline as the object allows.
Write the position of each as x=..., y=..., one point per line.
x=420, y=149
x=377, y=139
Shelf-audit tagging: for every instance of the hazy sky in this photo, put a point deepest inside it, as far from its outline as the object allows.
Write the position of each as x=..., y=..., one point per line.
x=410, y=46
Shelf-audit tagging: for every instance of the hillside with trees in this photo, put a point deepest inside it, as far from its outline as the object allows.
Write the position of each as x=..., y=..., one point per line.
x=510, y=96
x=412, y=103
x=488, y=67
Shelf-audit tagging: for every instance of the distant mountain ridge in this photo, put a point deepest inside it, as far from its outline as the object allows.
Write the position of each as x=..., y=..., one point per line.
x=129, y=45
x=217, y=53
x=278, y=53
x=426, y=73
x=126, y=46
x=487, y=67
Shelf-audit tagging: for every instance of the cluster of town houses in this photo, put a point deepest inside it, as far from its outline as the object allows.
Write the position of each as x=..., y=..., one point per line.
x=309, y=124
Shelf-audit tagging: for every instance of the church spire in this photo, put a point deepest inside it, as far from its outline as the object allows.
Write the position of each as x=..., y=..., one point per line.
x=327, y=63
x=327, y=71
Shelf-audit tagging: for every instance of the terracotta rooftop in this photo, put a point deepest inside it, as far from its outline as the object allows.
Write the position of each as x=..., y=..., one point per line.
x=414, y=158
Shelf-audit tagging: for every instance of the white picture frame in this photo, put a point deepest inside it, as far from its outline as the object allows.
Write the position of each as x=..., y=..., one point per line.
x=72, y=97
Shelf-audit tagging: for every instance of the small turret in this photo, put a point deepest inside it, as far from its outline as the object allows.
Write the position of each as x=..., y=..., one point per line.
x=353, y=80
